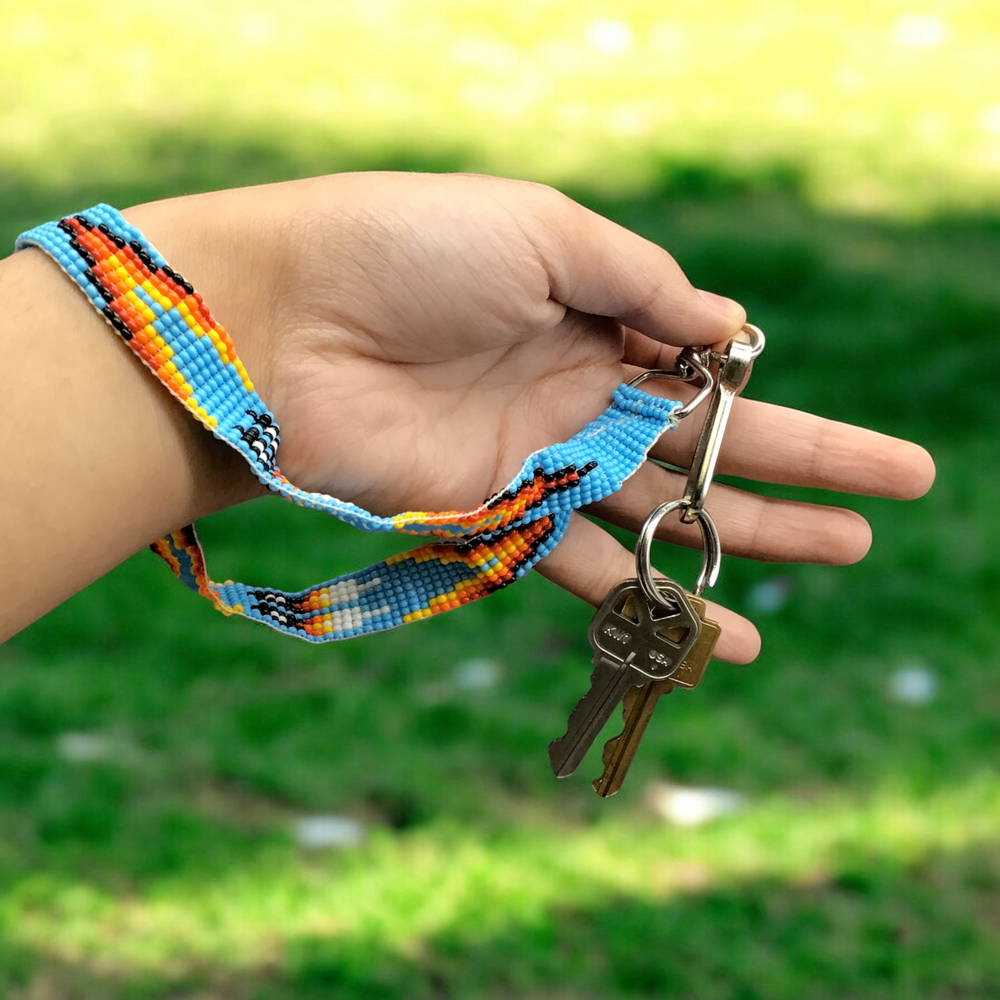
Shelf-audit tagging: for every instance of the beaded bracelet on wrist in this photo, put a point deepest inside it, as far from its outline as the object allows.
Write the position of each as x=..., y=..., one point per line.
x=165, y=322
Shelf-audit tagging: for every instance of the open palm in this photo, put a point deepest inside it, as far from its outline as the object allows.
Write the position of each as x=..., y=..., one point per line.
x=419, y=335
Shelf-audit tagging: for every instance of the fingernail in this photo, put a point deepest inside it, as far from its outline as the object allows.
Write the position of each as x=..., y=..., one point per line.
x=727, y=307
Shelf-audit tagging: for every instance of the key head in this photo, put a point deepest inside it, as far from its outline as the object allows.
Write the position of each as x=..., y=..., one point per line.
x=652, y=639
x=692, y=669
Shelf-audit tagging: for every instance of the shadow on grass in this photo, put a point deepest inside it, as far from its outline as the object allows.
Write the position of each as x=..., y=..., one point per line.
x=874, y=929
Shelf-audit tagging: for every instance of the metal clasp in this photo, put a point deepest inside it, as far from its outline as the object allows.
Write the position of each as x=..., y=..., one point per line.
x=689, y=366
x=734, y=370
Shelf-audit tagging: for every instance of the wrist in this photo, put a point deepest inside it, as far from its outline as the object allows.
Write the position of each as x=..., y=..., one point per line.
x=104, y=461
x=204, y=240
x=214, y=242
x=212, y=246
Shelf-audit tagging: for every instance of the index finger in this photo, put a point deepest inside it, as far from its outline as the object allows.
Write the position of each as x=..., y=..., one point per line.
x=776, y=444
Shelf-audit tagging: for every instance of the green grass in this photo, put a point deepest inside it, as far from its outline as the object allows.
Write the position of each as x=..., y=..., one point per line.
x=866, y=863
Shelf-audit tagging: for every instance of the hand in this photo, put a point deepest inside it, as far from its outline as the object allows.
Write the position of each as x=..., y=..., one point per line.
x=418, y=336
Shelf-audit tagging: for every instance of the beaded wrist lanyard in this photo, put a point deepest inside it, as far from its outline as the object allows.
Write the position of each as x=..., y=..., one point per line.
x=166, y=323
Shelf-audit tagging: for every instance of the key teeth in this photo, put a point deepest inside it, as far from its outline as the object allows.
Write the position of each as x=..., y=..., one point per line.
x=561, y=752
x=610, y=784
x=605, y=785
x=566, y=757
x=561, y=755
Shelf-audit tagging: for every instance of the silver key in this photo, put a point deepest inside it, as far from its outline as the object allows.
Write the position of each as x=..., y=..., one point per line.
x=634, y=641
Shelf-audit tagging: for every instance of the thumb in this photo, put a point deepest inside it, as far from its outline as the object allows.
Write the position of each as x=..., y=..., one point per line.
x=596, y=266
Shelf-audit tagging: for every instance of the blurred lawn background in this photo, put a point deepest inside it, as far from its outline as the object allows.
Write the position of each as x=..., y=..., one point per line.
x=837, y=169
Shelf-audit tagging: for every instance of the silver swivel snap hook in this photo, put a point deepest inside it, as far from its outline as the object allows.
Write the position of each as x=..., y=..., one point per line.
x=734, y=364
x=734, y=370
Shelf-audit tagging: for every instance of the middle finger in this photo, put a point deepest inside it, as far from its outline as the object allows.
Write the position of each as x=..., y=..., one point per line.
x=750, y=526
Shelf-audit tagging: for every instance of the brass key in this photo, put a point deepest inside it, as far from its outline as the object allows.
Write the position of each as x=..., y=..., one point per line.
x=620, y=750
x=691, y=671
x=639, y=703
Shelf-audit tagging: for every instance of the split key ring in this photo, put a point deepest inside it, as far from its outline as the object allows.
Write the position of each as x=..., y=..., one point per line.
x=711, y=548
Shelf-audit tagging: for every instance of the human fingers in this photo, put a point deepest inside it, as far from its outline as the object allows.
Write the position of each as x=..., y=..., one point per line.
x=588, y=562
x=776, y=444
x=750, y=526
x=599, y=267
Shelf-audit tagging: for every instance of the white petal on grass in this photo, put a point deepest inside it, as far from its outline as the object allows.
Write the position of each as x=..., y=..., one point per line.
x=476, y=674
x=610, y=37
x=83, y=748
x=318, y=832
x=919, y=31
x=693, y=806
x=915, y=684
x=770, y=595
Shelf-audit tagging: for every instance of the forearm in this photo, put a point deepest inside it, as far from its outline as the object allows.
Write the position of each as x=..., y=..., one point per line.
x=100, y=460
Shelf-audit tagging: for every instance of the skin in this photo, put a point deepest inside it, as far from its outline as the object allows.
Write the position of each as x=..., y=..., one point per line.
x=417, y=336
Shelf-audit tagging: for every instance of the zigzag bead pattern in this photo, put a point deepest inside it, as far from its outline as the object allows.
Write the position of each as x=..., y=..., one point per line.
x=165, y=322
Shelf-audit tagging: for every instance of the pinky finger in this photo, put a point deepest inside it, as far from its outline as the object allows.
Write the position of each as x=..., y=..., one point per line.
x=588, y=562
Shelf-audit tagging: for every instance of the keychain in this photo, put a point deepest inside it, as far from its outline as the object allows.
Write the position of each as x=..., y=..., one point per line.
x=650, y=635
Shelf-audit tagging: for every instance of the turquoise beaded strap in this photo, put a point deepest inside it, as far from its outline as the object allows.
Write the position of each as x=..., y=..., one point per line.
x=166, y=323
